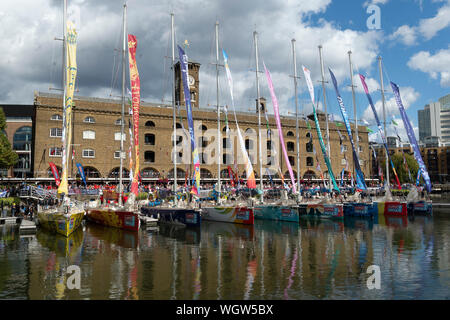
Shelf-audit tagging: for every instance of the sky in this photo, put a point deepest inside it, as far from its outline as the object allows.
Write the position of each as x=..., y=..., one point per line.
x=412, y=37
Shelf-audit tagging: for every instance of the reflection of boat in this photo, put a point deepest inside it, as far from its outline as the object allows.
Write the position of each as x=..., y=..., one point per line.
x=396, y=221
x=180, y=233
x=64, y=246
x=280, y=227
x=359, y=223
x=62, y=223
x=230, y=230
x=277, y=213
x=232, y=214
x=320, y=210
x=420, y=207
x=327, y=225
x=120, y=237
x=187, y=217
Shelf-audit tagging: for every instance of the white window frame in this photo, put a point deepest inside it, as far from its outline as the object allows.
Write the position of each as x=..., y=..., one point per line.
x=117, y=154
x=87, y=135
x=89, y=121
x=58, y=116
x=118, y=122
x=343, y=162
x=57, y=131
x=56, y=155
x=117, y=136
x=88, y=156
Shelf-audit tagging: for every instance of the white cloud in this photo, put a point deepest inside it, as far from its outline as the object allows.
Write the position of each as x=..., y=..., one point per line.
x=405, y=34
x=408, y=94
x=435, y=65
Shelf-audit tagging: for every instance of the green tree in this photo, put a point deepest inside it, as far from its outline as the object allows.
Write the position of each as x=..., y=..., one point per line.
x=401, y=169
x=8, y=157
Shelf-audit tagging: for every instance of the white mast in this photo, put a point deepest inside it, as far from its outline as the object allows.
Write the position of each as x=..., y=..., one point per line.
x=384, y=118
x=326, y=113
x=296, y=116
x=123, y=101
x=175, y=153
x=218, y=112
x=255, y=37
x=354, y=111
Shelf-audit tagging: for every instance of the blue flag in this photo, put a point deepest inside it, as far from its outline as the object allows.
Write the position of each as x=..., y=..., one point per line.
x=81, y=171
x=360, y=183
x=411, y=137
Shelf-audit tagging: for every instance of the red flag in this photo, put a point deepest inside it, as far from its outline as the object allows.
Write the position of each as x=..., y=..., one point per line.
x=230, y=173
x=55, y=173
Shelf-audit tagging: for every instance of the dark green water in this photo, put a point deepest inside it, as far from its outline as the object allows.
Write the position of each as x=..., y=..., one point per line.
x=270, y=260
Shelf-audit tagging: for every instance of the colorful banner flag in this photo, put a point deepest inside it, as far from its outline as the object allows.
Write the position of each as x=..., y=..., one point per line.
x=322, y=145
x=418, y=177
x=187, y=97
x=55, y=173
x=136, y=101
x=81, y=172
x=280, y=131
x=380, y=129
x=411, y=136
x=130, y=150
x=230, y=174
x=71, y=74
x=361, y=184
x=251, y=181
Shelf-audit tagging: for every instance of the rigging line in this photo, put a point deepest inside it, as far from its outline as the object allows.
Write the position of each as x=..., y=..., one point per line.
x=115, y=77
x=52, y=64
x=165, y=77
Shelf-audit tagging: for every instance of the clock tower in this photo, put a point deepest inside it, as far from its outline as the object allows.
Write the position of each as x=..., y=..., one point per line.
x=193, y=82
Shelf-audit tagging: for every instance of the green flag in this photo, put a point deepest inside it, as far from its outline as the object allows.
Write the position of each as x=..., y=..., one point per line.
x=394, y=123
x=338, y=124
x=370, y=130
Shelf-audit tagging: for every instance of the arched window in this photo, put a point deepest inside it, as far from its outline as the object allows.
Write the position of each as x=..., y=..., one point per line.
x=290, y=134
x=205, y=173
x=309, y=175
x=22, y=139
x=180, y=173
x=203, y=158
x=149, y=156
x=150, y=173
x=115, y=173
x=226, y=142
x=89, y=120
x=290, y=146
x=249, y=144
x=56, y=117
x=226, y=158
x=204, y=128
x=309, y=146
x=90, y=172
x=50, y=172
x=310, y=161
x=150, y=139
x=151, y=124
x=178, y=125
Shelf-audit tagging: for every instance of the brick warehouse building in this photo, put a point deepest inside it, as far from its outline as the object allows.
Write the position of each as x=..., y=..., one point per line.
x=96, y=139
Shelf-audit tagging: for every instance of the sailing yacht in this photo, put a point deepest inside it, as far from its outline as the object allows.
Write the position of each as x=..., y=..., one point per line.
x=174, y=214
x=124, y=216
x=234, y=212
x=66, y=217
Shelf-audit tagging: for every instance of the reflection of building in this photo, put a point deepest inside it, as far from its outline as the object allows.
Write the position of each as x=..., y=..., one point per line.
x=19, y=130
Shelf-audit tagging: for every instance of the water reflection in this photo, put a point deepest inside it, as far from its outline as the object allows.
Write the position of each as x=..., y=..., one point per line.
x=316, y=259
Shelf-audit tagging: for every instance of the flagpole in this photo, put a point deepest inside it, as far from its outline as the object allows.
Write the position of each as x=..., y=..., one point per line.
x=296, y=116
x=218, y=111
x=326, y=113
x=123, y=104
x=175, y=153
x=354, y=111
x=255, y=37
x=384, y=118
